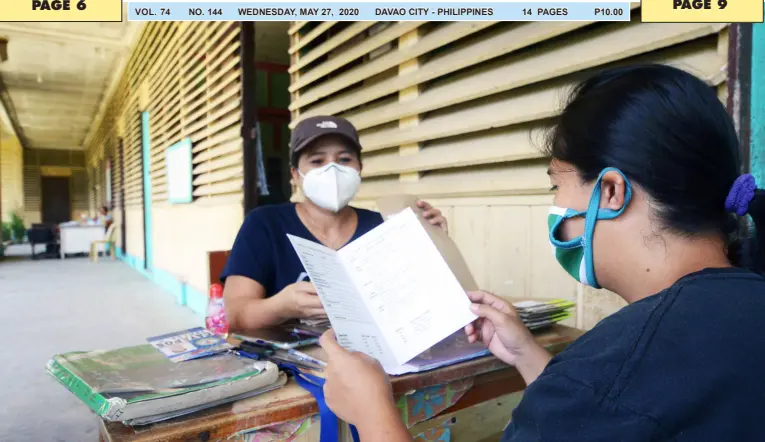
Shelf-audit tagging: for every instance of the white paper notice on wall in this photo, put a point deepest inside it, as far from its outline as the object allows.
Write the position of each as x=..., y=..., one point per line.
x=179, y=172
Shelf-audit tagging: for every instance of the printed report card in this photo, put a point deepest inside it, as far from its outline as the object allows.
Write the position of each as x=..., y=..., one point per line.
x=389, y=294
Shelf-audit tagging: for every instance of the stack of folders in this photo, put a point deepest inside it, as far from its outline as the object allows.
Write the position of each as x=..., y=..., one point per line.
x=541, y=314
x=140, y=385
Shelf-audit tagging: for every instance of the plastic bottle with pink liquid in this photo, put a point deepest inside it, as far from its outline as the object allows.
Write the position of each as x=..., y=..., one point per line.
x=215, y=321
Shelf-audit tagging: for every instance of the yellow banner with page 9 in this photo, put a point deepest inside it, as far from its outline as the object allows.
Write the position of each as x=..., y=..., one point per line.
x=60, y=10
x=702, y=11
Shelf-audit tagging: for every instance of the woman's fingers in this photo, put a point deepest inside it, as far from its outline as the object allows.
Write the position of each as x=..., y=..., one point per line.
x=316, y=313
x=480, y=296
x=305, y=287
x=330, y=345
x=307, y=300
x=434, y=216
x=486, y=298
x=497, y=317
x=438, y=221
x=473, y=330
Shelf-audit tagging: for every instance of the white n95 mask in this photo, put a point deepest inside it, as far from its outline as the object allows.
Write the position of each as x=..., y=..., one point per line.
x=331, y=187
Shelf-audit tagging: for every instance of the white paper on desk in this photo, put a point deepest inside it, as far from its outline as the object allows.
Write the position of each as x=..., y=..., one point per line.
x=390, y=293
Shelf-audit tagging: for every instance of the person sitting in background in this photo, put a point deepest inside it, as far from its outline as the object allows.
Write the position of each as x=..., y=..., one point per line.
x=104, y=217
x=265, y=282
x=649, y=203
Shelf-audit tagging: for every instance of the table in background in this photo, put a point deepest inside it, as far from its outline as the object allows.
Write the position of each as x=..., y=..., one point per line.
x=78, y=238
x=474, y=400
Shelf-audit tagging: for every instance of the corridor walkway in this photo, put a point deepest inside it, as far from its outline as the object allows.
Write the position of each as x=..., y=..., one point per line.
x=53, y=306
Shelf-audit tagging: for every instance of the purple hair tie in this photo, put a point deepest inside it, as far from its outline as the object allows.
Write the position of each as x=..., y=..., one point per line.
x=740, y=195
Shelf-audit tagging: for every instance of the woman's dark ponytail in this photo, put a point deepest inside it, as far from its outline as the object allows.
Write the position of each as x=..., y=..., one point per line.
x=745, y=198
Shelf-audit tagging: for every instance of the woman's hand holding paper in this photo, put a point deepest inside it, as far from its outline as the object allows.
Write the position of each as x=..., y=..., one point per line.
x=299, y=300
x=433, y=215
x=504, y=334
x=358, y=391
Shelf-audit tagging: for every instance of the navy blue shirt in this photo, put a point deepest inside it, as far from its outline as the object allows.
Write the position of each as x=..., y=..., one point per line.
x=263, y=252
x=683, y=365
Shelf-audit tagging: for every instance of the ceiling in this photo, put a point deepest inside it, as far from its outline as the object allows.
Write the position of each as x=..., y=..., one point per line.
x=56, y=76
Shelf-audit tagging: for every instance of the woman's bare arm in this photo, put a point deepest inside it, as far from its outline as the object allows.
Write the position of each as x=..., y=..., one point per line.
x=247, y=307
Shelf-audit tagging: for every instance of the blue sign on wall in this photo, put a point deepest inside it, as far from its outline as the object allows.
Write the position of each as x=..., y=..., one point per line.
x=179, y=172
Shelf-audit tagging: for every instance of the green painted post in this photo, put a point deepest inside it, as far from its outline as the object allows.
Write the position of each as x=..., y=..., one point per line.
x=757, y=139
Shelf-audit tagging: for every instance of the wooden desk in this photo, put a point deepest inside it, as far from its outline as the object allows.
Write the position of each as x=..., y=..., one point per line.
x=474, y=398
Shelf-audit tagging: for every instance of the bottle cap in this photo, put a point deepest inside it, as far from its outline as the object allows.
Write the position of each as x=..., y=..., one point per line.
x=216, y=291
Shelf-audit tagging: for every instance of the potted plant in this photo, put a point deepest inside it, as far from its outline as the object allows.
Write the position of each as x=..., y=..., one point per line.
x=5, y=234
x=18, y=231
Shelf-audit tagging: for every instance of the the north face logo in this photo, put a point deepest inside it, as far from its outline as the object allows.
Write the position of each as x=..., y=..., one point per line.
x=327, y=125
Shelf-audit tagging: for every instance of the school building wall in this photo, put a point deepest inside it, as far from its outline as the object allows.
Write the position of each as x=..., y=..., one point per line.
x=185, y=79
x=11, y=176
x=40, y=163
x=454, y=112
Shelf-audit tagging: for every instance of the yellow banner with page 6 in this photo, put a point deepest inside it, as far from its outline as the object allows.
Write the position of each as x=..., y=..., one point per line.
x=60, y=10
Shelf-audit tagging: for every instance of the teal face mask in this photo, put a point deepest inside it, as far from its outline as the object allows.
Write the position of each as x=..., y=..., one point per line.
x=575, y=255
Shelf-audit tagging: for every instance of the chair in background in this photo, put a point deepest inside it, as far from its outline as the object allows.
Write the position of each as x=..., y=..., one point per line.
x=43, y=234
x=107, y=242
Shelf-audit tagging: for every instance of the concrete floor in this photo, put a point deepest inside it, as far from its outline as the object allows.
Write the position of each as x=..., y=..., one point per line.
x=55, y=306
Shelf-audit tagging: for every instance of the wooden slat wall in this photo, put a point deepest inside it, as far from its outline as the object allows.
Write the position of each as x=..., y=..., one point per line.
x=79, y=188
x=60, y=162
x=472, y=98
x=32, y=190
x=188, y=76
x=133, y=158
x=92, y=203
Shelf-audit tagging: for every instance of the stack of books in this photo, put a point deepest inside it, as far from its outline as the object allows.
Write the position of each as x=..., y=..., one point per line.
x=141, y=385
x=541, y=314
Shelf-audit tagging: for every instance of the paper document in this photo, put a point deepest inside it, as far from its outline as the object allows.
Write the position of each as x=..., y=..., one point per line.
x=393, y=204
x=389, y=294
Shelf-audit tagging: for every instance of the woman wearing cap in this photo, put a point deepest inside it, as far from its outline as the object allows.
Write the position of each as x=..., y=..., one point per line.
x=648, y=199
x=265, y=282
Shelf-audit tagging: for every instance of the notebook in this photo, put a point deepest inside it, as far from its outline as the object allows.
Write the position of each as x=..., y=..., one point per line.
x=139, y=382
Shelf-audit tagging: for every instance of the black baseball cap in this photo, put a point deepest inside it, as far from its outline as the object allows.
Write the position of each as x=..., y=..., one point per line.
x=312, y=128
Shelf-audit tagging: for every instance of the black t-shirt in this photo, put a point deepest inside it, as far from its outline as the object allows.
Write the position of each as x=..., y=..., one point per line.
x=263, y=252
x=687, y=364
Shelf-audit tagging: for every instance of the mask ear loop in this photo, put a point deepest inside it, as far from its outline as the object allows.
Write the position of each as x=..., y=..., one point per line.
x=570, y=244
x=595, y=213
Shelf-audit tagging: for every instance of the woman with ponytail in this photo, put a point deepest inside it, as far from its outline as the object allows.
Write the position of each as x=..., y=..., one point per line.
x=650, y=203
